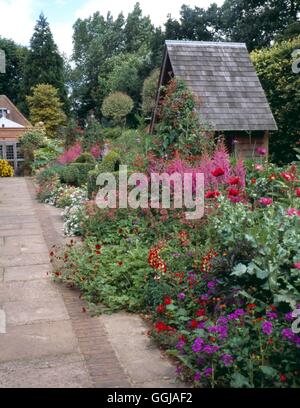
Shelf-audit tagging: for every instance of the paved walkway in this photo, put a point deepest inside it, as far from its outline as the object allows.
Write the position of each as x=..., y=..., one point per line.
x=50, y=341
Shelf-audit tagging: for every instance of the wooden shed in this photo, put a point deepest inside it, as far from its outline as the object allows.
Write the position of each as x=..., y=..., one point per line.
x=12, y=126
x=224, y=82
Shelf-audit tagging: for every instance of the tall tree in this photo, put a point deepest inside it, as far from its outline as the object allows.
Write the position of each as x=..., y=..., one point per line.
x=11, y=81
x=257, y=22
x=95, y=40
x=44, y=64
x=138, y=30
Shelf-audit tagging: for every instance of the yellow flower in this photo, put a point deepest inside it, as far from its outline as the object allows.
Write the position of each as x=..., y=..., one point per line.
x=6, y=169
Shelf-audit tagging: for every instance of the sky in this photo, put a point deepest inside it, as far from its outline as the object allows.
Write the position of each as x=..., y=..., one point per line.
x=17, y=17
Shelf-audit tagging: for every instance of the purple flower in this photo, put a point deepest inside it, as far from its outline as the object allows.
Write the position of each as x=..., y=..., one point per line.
x=197, y=377
x=181, y=296
x=288, y=334
x=204, y=297
x=236, y=315
x=267, y=328
x=201, y=325
x=177, y=255
x=208, y=372
x=198, y=344
x=227, y=360
x=190, y=254
x=289, y=317
x=180, y=345
x=211, y=284
x=210, y=349
x=272, y=315
x=240, y=312
x=222, y=320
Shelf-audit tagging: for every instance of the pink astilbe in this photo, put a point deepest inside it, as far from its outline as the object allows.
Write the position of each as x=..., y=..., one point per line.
x=240, y=171
x=70, y=155
x=96, y=151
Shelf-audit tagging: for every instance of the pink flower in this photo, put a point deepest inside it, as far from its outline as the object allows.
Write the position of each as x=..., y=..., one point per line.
x=259, y=167
x=265, y=201
x=297, y=265
x=262, y=151
x=291, y=212
x=298, y=192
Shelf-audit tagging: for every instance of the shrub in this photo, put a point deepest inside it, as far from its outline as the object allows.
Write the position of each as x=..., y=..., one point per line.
x=112, y=133
x=149, y=93
x=6, y=170
x=116, y=107
x=70, y=155
x=86, y=158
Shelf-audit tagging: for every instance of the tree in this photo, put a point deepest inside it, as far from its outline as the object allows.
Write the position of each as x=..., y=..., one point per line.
x=116, y=107
x=11, y=81
x=138, y=30
x=46, y=107
x=96, y=39
x=149, y=93
x=43, y=64
x=257, y=22
x=281, y=84
x=292, y=31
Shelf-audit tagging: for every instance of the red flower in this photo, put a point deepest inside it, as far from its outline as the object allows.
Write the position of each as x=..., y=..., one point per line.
x=160, y=326
x=233, y=192
x=218, y=172
x=160, y=309
x=273, y=308
x=98, y=253
x=57, y=273
x=282, y=378
x=98, y=247
x=233, y=181
x=212, y=194
x=200, y=313
x=251, y=306
x=298, y=191
x=253, y=181
x=194, y=324
x=51, y=254
x=120, y=263
x=167, y=300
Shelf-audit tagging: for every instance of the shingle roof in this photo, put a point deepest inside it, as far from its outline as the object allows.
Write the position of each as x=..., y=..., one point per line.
x=223, y=78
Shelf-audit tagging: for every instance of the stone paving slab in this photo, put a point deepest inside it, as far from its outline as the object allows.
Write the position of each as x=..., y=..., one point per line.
x=38, y=340
x=27, y=273
x=24, y=260
x=28, y=290
x=29, y=311
x=67, y=371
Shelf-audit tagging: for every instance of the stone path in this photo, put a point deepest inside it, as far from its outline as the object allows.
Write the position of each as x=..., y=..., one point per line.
x=50, y=341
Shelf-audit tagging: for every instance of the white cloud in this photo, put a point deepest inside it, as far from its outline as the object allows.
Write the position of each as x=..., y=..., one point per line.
x=158, y=11
x=17, y=19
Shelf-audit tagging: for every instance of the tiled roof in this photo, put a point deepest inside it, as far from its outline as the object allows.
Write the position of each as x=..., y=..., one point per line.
x=6, y=123
x=224, y=81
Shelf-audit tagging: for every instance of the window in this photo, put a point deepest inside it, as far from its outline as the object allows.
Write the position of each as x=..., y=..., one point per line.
x=10, y=152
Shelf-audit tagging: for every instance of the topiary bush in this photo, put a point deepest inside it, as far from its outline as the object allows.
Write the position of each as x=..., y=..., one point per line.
x=116, y=107
x=6, y=169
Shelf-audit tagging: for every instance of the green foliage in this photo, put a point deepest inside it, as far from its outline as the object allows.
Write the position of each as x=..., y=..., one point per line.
x=43, y=64
x=274, y=67
x=116, y=107
x=86, y=158
x=11, y=81
x=75, y=174
x=45, y=107
x=31, y=141
x=149, y=93
x=179, y=126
